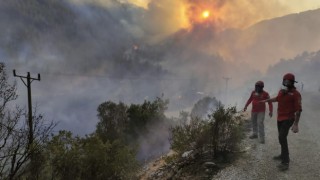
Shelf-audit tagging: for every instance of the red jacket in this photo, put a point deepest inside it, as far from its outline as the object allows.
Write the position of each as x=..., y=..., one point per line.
x=257, y=106
x=288, y=104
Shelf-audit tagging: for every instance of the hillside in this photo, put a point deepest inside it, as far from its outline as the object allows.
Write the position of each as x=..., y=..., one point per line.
x=266, y=42
x=104, y=50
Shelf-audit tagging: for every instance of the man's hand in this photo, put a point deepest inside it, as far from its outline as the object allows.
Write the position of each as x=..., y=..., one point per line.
x=244, y=109
x=295, y=128
x=270, y=114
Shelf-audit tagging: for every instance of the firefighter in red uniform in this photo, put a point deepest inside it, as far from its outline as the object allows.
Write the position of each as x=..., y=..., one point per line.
x=289, y=110
x=258, y=111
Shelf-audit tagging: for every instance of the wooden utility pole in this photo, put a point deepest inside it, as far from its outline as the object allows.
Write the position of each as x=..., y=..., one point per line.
x=28, y=85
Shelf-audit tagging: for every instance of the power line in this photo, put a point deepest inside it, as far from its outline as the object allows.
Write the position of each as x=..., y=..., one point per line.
x=123, y=77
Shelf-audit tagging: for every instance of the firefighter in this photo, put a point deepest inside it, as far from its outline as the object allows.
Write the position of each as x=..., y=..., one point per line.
x=289, y=111
x=258, y=111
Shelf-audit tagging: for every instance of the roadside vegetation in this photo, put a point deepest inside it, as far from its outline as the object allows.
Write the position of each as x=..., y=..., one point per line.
x=111, y=151
x=202, y=147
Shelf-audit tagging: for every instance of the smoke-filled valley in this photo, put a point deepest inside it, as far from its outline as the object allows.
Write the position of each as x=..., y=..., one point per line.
x=109, y=52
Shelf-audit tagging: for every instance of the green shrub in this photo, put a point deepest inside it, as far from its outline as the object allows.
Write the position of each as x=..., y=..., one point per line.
x=186, y=136
x=222, y=133
x=227, y=130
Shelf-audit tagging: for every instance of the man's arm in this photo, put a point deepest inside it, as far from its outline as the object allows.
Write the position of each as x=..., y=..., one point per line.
x=248, y=102
x=295, y=127
x=269, y=100
x=270, y=106
x=298, y=108
x=297, y=117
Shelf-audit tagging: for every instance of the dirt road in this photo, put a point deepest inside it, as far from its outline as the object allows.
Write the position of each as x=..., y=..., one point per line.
x=257, y=162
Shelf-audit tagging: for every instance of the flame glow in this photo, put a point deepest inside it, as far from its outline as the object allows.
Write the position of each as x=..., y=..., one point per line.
x=169, y=16
x=205, y=14
x=140, y=3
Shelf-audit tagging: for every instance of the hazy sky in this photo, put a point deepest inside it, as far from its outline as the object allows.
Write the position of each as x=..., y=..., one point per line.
x=294, y=5
x=270, y=6
x=298, y=5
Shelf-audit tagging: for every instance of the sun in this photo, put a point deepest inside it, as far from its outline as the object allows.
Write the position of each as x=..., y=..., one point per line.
x=205, y=14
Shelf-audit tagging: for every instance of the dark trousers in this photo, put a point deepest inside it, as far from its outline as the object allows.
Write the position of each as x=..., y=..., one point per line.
x=283, y=130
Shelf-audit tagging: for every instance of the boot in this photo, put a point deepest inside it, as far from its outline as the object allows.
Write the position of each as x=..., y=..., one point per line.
x=283, y=166
x=277, y=158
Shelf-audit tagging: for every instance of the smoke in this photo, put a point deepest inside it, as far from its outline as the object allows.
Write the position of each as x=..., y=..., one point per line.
x=163, y=17
x=155, y=143
x=233, y=14
x=91, y=51
x=304, y=66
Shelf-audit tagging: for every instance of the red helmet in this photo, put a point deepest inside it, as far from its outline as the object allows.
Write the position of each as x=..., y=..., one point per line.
x=289, y=76
x=259, y=83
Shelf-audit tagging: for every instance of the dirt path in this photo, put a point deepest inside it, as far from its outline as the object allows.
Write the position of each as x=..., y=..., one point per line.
x=257, y=162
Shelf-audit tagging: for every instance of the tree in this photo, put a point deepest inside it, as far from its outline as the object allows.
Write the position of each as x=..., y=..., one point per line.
x=63, y=156
x=113, y=120
x=138, y=126
x=144, y=115
x=72, y=157
x=15, y=147
x=118, y=121
x=107, y=160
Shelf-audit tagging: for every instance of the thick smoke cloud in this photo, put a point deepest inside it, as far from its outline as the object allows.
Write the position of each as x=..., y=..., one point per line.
x=82, y=52
x=87, y=54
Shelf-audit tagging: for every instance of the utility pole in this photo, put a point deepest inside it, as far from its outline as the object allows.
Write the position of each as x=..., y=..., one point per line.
x=226, y=79
x=28, y=85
